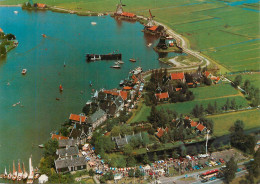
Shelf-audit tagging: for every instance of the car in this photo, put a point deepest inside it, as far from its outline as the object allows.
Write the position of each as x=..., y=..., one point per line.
x=221, y=160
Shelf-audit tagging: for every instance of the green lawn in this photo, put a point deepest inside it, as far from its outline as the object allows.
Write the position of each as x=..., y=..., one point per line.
x=253, y=78
x=227, y=34
x=186, y=107
x=213, y=91
x=223, y=122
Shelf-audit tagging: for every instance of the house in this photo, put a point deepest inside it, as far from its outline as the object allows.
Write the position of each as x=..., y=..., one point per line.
x=67, y=152
x=121, y=141
x=97, y=118
x=70, y=164
x=193, y=124
x=123, y=94
x=63, y=143
x=178, y=76
x=201, y=128
x=40, y=5
x=216, y=80
x=128, y=15
x=78, y=133
x=208, y=74
x=161, y=131
x=162, y=96
x=58, y=137
x=178, y=89
x=77, y=118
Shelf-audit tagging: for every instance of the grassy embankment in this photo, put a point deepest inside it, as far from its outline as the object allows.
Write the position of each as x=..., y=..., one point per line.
x=227, y=34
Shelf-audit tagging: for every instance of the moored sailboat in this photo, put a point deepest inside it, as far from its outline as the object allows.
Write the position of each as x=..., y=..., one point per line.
x=9, y=176
x=31, y=172
x=20, y=172
x=14, y=177
x=25, y=174
x=5, y=174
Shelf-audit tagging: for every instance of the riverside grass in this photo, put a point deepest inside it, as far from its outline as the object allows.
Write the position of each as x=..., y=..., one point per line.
x=227, y=34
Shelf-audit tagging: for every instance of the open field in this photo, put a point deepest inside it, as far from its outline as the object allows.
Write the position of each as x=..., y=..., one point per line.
x=223, y=122
x=228, y=34
x=253, y=78
x=186, y=107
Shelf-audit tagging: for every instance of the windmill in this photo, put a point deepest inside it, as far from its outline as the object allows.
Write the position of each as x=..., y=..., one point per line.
x=150, y=19
x=119, y=8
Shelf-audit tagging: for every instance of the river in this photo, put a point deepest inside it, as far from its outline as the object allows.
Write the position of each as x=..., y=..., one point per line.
x=69, y=37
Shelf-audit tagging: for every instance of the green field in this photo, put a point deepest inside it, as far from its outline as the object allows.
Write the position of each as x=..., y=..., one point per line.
x=253, y=78
x=223, y=122
x=186, y=107
x=214, y=91
x=227, y=34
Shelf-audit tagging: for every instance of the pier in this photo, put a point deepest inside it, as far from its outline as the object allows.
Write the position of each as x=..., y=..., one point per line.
x=94, y=57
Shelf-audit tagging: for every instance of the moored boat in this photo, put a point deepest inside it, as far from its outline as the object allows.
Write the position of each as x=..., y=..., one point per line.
x=24, y=71
x=60, y=88
x=120, y=62
x=20, y=172
x=93, y=23
x=9, y=176
x=14, y=177
x=25, y=174
x=42, y=145
x=116, y=66
x=44, y=35
x=16, y=12
x=5, y=174
x=132, y=60
x=31, y=172
x=121, y=83
x=149, y=45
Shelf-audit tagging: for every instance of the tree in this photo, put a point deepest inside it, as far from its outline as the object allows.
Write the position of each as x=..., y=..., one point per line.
x=146, y=159
x=183, y=150
x=237, y=80
x=145, y=139
x=164, y=155
x=10, y=36
x=91, y=172
x=2, y=50
x=233, y=104
x=128, y=149
x=210, y=109
x=50, y=148
x=155, y=158
x=247, y=85
x=230, y=170
x=131, y=161
x=115, y=131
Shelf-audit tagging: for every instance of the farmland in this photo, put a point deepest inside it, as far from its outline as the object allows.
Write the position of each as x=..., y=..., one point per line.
x=227, y=33
x=253, y=78
x=203, y=95
x=223, y=122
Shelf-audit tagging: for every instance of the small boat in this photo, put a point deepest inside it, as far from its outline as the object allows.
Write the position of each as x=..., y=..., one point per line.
x=64, y=64
x=44, y=35
x=93, y=23
x=15, y=12
x=24, y=71
x=20, y=172
x=116, y=66
x=36, y=176
x=14, y=177
x=121, y=83
x=25, y=174
x=57, y=99
x=120, y=62
x=41, y=146
x=149, y=45
x=132, y=60
x=5, y=174
x=116, y=63
x=61, y=88
x=14, y=105
x=9, y=176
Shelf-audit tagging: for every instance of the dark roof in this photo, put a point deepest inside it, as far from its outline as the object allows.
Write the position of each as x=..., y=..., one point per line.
x=96, y=116
x=77, y=130
x=119, y=101
x=70, y=162
x=67, y=142
x=67, y=151
x=121, y=141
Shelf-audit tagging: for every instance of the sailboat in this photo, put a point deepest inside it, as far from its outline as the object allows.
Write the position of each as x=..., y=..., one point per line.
x=5, y=174
x=14, y=177
x=20, y=172
x=10, y=174
x=25, y=174
x=31, y=173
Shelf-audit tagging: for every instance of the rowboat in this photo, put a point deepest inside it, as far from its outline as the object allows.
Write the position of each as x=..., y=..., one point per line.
x=116, y=66
x=24, y=71
x=132, y=60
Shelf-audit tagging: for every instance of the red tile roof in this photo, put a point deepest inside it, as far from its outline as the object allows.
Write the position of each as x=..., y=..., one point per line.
x=193, y=123
x=178, y=89
x=160, y=133
x=207, y=73
x=126, y=14
x=127, y=88
x=40, y=5
x=177, y=76
x=162, y=95
x=75, y=117
x=114, y=93
x=200, y=127
x=166, y=129
x=190, y=83
x=187, y=117
x=58, y=137
x=123, y=94
x=134, y=78
x=153, y=28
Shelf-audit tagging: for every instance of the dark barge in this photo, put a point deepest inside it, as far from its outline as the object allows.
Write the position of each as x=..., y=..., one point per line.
x=95, y=57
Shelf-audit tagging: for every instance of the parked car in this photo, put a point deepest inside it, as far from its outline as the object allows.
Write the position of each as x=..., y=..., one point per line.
x=221, y=160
